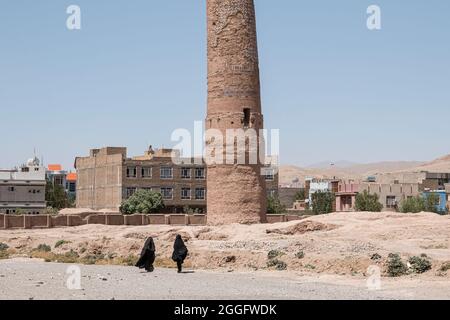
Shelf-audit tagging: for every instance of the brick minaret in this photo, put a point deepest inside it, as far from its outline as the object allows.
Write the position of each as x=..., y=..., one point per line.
x=236, y=193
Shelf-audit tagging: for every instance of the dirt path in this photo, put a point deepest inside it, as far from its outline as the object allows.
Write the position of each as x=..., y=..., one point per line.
x=32, y=279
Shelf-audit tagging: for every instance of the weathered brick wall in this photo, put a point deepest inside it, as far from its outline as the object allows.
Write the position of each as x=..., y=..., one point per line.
x=157, y=219
x=115, y=219
x=274, y=218
x=133, y=220
x=37, y=221
x=177, y=219
x=59, y=221
x=96, y=219
x=45, y=221
x=14, y=222
x=197, y=220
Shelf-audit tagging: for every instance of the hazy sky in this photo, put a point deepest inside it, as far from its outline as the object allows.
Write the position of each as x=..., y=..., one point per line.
x=137, y=71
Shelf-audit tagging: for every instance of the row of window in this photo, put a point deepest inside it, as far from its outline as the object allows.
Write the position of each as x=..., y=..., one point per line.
x=13, y=189
x=168, y=192
x=166, y=173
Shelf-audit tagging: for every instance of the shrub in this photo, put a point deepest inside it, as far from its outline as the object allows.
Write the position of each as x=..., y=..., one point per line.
x=61, y=243
x=3, y=246
x=274, y=205
x=143, y=201
x=375, y=257
x=445, y=267
x=322, y=202
x=420, y=264
x=278, y=264
x=300, y=255
x=395, y=266
x=310, y=266
x=413, y=205
x=44, y=248
x=274, y=253
x=368, y=202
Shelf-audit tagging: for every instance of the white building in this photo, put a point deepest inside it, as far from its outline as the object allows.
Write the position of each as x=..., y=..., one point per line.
x=22, y=190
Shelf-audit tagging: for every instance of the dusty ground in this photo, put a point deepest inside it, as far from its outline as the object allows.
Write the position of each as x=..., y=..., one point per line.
x=29, y=279
x=335, y=245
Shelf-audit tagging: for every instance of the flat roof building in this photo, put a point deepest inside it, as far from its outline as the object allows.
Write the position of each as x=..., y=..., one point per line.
x=22, y=190
x=107, y=177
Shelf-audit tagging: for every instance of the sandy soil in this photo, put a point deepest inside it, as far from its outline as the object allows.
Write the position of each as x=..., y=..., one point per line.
x=29, y=279
x=339, y=243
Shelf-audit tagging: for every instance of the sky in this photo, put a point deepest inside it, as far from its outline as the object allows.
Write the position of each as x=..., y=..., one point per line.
x=136, y=71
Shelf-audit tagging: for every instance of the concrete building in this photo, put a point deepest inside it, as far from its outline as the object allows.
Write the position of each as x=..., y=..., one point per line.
x=434, y=180
x=22, y=190
x=237, y=192
x=107, y=177
x=391, y=195
x=346, y=196
x=60, y=177
x=442, y=205
x=288, y=196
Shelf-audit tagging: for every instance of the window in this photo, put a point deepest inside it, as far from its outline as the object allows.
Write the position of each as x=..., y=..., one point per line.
x=185, y=193
x=11, y=189
x=269, y=174
x=167, y=193
x=200, y=173
x=185, y=173
x=246, y=117
x=391, y=202
x=131, y=172
x=72, y=187
x=166, y=173
x=200, y=194
x=130, y=192
x=146, y=172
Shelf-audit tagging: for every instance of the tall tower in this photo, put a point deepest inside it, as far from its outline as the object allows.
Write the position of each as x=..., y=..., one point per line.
x=236, y=192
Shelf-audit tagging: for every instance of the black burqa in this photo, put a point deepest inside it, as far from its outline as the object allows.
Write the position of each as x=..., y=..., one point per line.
x=147, y=256
x=180, y=252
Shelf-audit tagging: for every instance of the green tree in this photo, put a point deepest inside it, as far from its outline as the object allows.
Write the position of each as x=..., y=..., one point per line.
x=431, y=203
x=368, y=202
x=413, y=205
x=56, y=196
x=143, y=201
x=322, y=202
x=274, y=205
x=300, y=195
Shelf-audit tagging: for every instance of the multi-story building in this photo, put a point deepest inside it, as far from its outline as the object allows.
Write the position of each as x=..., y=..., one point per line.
x=59, y=177
x=107, y=177
x=390, y=195
x=22, y=190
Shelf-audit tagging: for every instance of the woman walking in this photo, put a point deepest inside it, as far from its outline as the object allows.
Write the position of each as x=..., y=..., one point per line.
x=180, y=252
x=147, y=256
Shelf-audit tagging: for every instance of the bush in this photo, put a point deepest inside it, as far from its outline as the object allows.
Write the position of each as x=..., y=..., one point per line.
x=445, y=267
x=61, y=243
x=368, y=202
x=278, y=264
x=274, y=205
x=322, y=202
x=300, y=195
x=420, y=264
x=143, y=201
x=274, y=253
x=396, y=267
x=43, y=248
x=3, y=246
x=413, y=205
x=300, y=255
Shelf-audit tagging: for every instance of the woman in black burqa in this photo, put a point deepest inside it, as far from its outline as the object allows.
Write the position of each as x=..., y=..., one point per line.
x=179, y=252
x=147, y=256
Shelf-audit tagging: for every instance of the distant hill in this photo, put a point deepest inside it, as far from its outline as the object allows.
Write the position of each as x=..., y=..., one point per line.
x=386, y=171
